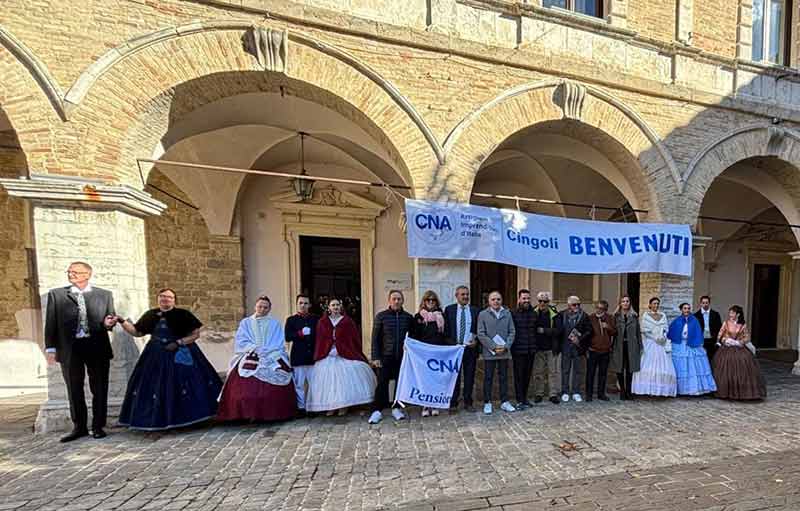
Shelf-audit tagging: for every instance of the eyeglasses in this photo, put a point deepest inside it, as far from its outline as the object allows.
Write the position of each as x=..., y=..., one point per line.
x=431, y=300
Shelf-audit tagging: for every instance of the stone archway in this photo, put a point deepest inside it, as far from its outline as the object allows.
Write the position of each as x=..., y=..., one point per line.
x=479, y=134
x=145, y=81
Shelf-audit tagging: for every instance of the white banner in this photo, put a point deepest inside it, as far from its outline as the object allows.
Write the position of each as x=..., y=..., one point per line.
x=428, y=374
x=460, y=231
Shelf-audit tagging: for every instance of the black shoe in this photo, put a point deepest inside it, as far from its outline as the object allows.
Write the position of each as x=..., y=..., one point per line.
x=589, y=399
x=602, y=398
x=537, y=399
x=555, y=400
x=98, y=433
x=74, y=435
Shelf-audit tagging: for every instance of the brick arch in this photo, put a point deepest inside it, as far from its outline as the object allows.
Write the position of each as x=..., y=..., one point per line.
x=653, y=177
x=131, y=99
x=753, y=141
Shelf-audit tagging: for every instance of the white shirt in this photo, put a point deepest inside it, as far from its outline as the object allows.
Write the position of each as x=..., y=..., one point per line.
x=496, y=312
x=467, y=321
x=706, y=325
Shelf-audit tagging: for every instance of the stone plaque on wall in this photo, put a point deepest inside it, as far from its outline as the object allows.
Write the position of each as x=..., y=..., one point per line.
x=401, y=281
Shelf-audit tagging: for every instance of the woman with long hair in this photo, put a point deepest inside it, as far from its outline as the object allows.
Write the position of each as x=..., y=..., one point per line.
x=656, y=376
x=342, y=376
x=429, y=328
x=736, y=369
x=627, y=350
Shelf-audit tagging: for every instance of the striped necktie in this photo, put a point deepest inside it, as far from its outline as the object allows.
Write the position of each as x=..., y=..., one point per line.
x=462, y=328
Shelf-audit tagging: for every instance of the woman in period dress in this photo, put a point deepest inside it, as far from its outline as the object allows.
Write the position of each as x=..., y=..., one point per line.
x=692, y=369
x=429, y=328
x=656, y=376
x=173, y=384
x=736, y=369
x=259, y=385
x=342, y=377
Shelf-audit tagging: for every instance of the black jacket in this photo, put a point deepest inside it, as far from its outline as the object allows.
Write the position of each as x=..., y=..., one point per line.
x=715, y=322
x=302, y=353
x=389, y=332
x=427, y=332
x=548, y=321
x=451, y=322
x=584, y=326
x=61, y=322
x=524, y=340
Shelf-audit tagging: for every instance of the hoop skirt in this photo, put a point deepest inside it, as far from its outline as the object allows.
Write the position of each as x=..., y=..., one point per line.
x=692, y=370
x=657, y=374
x=251, y=398
x=169, y=389
x=339, y=383
x=738, y=374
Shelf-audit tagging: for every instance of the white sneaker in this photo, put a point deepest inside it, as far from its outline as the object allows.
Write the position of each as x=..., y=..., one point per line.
x=577, y=398
x=435, y=412
x=507, y=407
x=375, y=418
x=487, y=408
x=426, y=412
x=565, y=397
x=398, y=414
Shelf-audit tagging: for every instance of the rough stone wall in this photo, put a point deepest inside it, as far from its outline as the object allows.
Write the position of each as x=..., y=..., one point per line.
x=655, y=20
x=715, y=26
x=15, y=295
x=205, y=271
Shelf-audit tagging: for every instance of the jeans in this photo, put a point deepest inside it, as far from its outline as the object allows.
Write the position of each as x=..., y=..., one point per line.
x=389, y=371
x=523, y=369
x=488, y=379
x=571, y=372
x=597, y=361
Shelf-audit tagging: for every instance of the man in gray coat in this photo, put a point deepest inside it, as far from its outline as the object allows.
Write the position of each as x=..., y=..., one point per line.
x=496, y=335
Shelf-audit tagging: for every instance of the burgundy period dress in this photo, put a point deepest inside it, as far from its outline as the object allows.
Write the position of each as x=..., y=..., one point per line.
x=259, y=385
x=736, y=370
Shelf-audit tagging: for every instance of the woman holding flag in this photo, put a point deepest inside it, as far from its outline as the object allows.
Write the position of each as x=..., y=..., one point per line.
x=429, y=328
x=342, y=377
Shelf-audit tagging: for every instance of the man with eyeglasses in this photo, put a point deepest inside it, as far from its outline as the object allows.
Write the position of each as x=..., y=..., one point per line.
x=576, y=329
x=547, y=357
x=77, y=321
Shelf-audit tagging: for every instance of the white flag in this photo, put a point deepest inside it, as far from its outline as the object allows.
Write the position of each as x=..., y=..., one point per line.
x=428, y=374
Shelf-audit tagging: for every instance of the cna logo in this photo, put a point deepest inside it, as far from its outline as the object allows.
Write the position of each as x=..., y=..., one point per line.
x=435, y=225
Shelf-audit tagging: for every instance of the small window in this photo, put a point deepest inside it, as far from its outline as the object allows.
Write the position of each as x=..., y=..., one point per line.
x=587, y=7
x=771, y=31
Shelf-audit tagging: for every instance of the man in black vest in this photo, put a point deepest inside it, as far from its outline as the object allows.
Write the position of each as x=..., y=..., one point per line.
x=461, y=328
x=77, y=322
x=711, y=323
x=301, y=330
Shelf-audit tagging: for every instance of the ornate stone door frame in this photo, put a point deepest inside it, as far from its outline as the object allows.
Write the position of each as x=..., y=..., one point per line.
x=776, y=253
x=331, y=213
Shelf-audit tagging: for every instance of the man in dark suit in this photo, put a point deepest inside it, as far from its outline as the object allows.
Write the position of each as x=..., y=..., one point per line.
x=461, y=327
x=711, y=323
x=78, y=319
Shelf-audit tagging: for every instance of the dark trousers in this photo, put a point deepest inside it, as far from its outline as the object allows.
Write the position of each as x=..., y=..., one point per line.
x=389, y=371
x=597, y=362
x=488, y=379
x=523, y=369
x=468, y=364
x=711, y=348
x=80, y=363
x=625, y=378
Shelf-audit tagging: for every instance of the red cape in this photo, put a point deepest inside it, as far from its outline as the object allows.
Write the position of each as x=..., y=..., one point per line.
x=348, y=339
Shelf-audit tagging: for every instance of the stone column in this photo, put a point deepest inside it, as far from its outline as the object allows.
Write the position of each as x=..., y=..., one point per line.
x=744, y=31
x=671, y=289
x=685, y=21
x=104, y=226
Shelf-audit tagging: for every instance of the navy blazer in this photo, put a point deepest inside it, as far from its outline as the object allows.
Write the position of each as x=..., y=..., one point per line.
x=451, y=322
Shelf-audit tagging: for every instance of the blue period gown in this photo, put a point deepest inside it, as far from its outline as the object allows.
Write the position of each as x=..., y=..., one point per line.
x=692, y=368
x=169, y=389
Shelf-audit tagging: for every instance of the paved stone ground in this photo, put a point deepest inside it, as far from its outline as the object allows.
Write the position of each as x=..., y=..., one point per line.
x=638, y=450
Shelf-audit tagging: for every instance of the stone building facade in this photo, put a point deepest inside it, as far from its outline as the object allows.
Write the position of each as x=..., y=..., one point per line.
x=675, y=111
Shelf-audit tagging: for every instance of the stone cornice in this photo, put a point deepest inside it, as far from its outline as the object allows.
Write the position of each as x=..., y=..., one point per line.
x=90, y=194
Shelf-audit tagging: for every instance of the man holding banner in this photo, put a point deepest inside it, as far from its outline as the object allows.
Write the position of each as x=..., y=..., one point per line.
x=496, y=333
x=461, y=329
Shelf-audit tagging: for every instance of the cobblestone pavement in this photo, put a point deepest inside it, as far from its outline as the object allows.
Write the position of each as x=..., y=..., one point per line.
x=456, y=461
